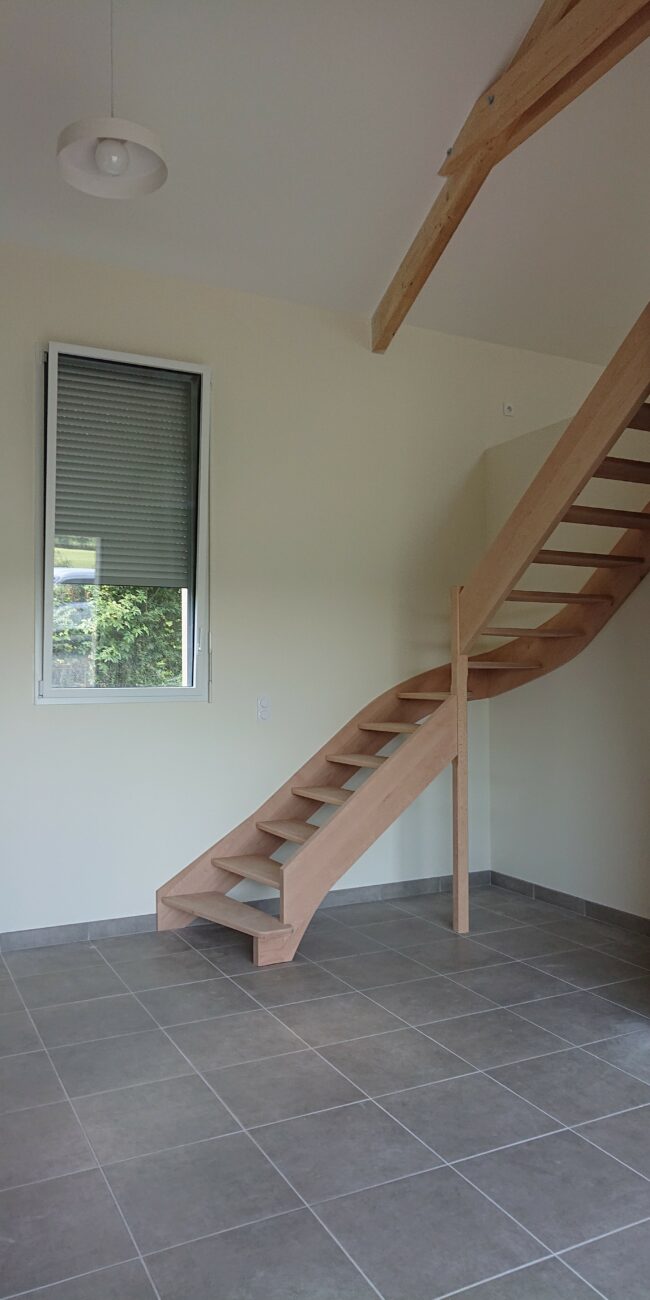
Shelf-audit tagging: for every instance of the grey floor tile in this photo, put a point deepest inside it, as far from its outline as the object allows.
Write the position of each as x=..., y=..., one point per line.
x=43, y=1142
x=625, y=1136
x=57, y=1229
x=275, y=988
x=231, y=1040
x=561, y=1188
x=151, y=1116
x=162, y=972
x=512, y=983
x=52, y=959
x=580, y=1017
x=280, y=1087
x=424, y=1000
x=461, y=1117
x=573, y=1086
x=79, y=1022
x=387, y=1062
x=134, y=947
x=618, y=1265
x=550, y=1280
x=343, y=1150
x=366, y=913
x=631, y=1052
x=335, y=1019
x=261, y=1262
x=342, y=941
x=587, y=967
x=445, y=956
x=493, y=1038
x=121, y=1282
x=633, y=994
x=27, y=1080
x=635, y=948
x=580, y=930
x=17, y=1033
x=9, y=999
x=403, y=932
x=117, y=1062
x=235, y=959
x=525, y=942
x=376, y=969
x=203, y=1000
x=424, y=1236
x=76, y=985
x=175, y=1196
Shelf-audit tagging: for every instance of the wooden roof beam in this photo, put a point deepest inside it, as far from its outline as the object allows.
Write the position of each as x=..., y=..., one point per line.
x=534, y=88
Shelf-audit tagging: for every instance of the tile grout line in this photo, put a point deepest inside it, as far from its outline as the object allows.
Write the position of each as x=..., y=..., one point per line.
x=90, y=1146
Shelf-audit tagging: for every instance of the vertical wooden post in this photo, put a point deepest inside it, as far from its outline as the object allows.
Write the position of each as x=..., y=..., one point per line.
x=459, y=668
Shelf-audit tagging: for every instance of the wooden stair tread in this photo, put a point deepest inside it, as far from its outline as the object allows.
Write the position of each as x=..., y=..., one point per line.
x=333, y=794
x=624, y=471
x=603, y=517
x=529, y=633
x=287, y=828
x=252, y=867
x=392, y=728
x=559, y=598
x=357, y=760
x=228, y=911
x=495, y=664
x=587, y=559
x=424, y=695
x=642, y=418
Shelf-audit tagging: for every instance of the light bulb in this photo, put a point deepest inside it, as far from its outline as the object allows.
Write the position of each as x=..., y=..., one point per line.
x=111, y=157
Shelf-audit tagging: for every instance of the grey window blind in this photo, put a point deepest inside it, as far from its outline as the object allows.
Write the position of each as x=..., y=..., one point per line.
x=127, y=468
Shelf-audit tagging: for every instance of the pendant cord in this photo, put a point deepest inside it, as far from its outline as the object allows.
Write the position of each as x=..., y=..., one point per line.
x=111, y=54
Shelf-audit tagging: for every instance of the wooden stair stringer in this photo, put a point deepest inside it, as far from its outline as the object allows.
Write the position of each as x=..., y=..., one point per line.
x=376, y=805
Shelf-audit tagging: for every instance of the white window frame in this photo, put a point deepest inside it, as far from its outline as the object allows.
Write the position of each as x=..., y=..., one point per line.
x=46, y=693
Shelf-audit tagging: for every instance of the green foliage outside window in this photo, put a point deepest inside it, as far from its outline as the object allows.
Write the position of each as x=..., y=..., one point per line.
x=117, y=636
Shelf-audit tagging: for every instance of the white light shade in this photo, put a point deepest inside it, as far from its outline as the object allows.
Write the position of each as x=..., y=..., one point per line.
x=78, y=162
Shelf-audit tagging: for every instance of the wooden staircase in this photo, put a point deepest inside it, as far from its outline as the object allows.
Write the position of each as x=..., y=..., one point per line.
x=424, y=718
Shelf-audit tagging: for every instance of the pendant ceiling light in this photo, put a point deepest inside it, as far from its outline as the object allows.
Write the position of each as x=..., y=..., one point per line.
x=109, y=156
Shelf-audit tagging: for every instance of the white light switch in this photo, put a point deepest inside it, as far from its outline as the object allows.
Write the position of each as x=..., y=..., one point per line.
x=263, y=708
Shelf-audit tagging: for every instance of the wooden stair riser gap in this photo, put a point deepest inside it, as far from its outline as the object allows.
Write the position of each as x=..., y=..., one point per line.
x=212, y=906
x=505, y=665
x=590, y=435
x=390, y=728
x=600, y=517
x=315, y=868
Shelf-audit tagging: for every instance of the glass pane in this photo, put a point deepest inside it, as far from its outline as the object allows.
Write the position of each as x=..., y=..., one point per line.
x=113, y=636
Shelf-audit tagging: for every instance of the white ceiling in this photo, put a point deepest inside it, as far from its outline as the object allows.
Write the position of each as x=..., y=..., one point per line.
x=303, y=140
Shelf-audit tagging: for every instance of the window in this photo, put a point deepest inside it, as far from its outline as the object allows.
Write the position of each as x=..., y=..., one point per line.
x=125, y=541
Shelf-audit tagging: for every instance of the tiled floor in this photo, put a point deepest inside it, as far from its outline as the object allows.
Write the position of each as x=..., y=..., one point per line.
x=399, y=1113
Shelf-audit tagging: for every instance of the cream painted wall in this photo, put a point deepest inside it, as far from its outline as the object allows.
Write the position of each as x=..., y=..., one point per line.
x=570, y=784
x=347, y=495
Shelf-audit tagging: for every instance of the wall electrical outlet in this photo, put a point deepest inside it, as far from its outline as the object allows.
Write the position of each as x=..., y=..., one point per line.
x=263, y=708
x=508, y=408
